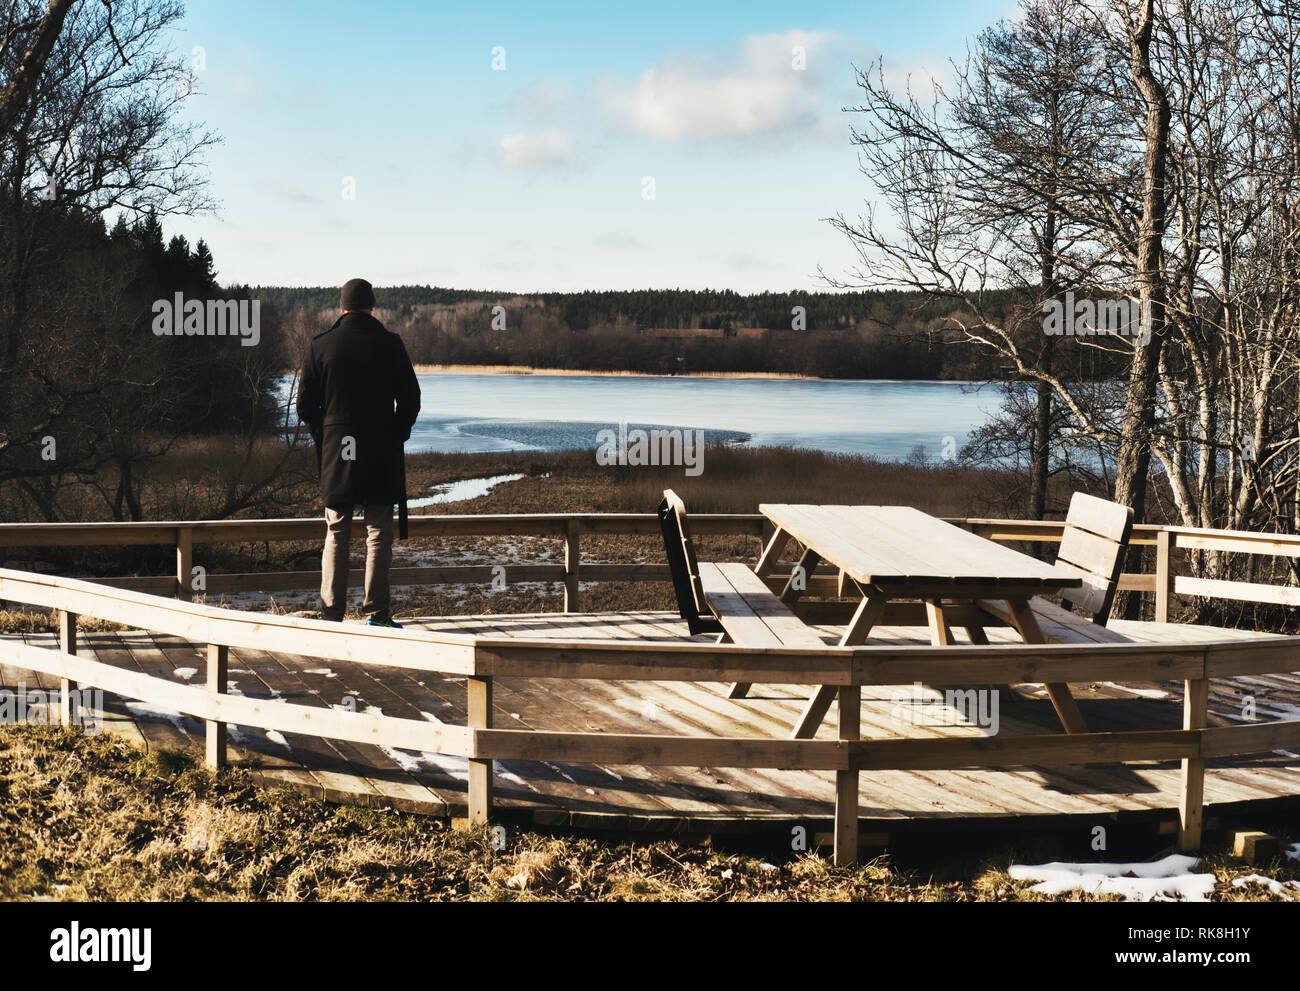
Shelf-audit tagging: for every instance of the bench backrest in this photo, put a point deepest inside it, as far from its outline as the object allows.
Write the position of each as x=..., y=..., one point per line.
x=684, y=565
x=1092, y=548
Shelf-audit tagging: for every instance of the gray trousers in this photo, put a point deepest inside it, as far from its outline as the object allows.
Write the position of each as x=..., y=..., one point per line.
x=334, y=562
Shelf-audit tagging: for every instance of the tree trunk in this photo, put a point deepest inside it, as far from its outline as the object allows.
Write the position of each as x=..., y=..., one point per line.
x=1133, y=468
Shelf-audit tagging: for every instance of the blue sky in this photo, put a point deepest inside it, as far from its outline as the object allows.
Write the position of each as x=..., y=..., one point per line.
x=537, y=176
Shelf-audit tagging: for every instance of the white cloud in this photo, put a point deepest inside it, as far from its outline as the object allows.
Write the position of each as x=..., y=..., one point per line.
x=546, y=149
x=758, y=93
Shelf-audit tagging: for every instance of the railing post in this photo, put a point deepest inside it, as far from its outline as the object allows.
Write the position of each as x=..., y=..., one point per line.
x=67, y=645
x=184, y=561
x=1196, y=699
x=571, y=555
x=1164, y=574
x=846, y=782
x=480, y=771
x=218, y=660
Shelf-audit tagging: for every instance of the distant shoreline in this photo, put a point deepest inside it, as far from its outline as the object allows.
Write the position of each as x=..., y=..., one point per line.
x=530, y=370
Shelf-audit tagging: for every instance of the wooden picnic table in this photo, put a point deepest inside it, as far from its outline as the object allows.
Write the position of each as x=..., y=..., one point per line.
x=890, y=554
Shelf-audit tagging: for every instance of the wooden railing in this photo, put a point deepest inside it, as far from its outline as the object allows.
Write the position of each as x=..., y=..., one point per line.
x=570, y=527
x=482, y=659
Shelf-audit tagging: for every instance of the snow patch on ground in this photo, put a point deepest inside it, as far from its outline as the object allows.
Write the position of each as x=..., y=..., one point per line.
x=1274, y=887
x=1293, y=852
x=150, y=710
x=275, y=736
x=407, y=762
x=324, y=671
x=1169, y=879
x=1146, y=693
x=513, y=778
x=186, y=673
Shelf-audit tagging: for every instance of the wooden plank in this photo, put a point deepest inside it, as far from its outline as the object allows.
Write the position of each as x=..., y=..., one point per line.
x=1089, y=552
x=595, y=707
x=1164, y=576
x=1136, y=583
x=859, y=554
x=215, y=732
x=572, y=564
x=196, y=703
x=1287, y=595
x=869, y=613
x=1238, y=541
x=904, y=544
x=395, y=784
x=1246, y=657
x=750, y=613
x=258, y=631
x=1090, y=595
x=480, y=770
x=788, y=629
x=879, y=665
x=1059, y=691
x=1099, y=516
x=800, y=575
x=610, y=748
x=136, y=655
x=968, y=555
x=734, y=611
x=117, y=719
x=1046, y=611
x=1224, y=741
x=772, y=552
x=866, y=617
x=940, y=635
x=335, y=767
x=992, y=751
x=68, y=644
x=308, y=528
x=184, y=562
x=1192, y=797
x=846, y=781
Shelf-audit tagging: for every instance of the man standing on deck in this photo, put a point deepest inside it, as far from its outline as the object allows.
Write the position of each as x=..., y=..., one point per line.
x=359, y=397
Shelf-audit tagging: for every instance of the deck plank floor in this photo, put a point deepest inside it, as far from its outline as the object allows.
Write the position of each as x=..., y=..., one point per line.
x=683, y=799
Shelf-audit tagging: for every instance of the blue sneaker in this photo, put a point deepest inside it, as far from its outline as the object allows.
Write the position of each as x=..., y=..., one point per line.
x=383, y=620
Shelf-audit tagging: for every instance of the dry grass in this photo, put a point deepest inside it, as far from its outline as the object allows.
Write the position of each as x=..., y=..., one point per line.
x=92, y=818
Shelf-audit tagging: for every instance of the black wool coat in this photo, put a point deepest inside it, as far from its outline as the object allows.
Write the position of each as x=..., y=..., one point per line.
x=359, y=397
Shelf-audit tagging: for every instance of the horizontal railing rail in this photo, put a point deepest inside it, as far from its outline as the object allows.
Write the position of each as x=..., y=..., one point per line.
x=184, y=535
x=571, y=527
x=482, y=659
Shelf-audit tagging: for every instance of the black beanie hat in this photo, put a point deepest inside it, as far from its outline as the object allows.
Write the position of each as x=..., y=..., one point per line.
x=358, y=294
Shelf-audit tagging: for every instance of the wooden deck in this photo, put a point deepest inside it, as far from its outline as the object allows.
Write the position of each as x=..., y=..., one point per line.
x=684, y=799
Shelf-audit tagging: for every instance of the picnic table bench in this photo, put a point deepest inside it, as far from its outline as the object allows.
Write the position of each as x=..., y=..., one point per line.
x=890, y=556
